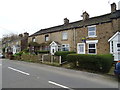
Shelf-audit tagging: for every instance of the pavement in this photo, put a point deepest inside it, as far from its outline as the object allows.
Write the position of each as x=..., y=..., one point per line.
x=0, y=74
x=19, y=74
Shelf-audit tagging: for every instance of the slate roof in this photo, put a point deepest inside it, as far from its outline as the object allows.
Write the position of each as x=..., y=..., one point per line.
x=78, y=24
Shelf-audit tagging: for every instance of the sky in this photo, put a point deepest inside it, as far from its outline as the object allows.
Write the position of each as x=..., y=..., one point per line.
x=19, y=16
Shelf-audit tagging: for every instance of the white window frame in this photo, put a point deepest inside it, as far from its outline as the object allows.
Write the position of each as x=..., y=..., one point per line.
x=46, y=37
x=66, y=46
x=33, y=39
x=64, y=35
x=111, y=47
x=92, y=48
x=78, y=47
x=92, y=31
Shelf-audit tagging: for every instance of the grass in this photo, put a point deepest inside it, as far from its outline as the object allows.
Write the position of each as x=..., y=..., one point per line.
x=67, y=65
x=52, y=64
x=111, y=72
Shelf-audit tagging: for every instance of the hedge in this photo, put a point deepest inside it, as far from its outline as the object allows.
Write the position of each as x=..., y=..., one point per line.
x=18, y=54
x=63, y=54
x=43, y=52
x=97, y=63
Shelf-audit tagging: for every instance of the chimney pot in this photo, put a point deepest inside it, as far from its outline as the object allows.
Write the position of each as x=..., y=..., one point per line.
x=26, y=34
x=85, y=15
x=20, y=35
x=113, y=7
x=66, y=21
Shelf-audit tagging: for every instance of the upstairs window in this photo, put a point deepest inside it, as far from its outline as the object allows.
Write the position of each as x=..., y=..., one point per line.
x=46, y=37
x=65, y=47
x=33, y=39
x=92, y=31
x=64, y=36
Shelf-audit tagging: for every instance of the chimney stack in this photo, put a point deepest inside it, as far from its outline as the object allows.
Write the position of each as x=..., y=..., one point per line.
x=20, y=35
x=66, y=21
x=113, y=7
x=85, y=16
x=26, y=34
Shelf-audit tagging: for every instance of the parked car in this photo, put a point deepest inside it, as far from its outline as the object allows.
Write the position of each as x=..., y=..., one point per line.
x=1, y=55
x=117, y=69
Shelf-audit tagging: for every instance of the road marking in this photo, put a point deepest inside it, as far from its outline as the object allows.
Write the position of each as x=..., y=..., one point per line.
x=19, y=71
x=0, y=64
x=59, y=85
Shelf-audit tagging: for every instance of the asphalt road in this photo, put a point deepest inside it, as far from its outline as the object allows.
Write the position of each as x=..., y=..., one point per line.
x=19, y=74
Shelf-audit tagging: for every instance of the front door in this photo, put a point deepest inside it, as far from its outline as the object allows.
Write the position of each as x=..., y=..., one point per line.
x=53, y=50
x=81, y=48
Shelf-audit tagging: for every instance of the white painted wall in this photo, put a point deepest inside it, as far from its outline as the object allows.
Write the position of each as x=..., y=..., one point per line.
x=53, y=47
x=116, y=52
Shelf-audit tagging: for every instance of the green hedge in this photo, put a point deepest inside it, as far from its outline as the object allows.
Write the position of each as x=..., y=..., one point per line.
x=18, y=54
x=98, y=63
x=26, y=51
x=63, y=54
x=43, y=52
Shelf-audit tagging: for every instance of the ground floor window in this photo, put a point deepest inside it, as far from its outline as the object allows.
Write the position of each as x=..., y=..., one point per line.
x=91, y=48
x=81, y=48
x=65, y=47
x=46, y=48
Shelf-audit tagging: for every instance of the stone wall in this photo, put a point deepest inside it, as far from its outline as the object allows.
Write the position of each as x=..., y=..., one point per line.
x=39, y=58
x=33, y=58
x=56, y=36
x=104, y=31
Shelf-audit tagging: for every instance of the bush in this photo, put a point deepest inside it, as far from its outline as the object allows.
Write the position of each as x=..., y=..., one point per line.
x=43, y=52
x=98, y=63
x=63, y=54
x=26, y=50
x=18, y=54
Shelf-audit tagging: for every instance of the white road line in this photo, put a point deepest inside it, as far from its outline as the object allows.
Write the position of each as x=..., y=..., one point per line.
x=58, y=84
x=19, y=71
x=0, y=64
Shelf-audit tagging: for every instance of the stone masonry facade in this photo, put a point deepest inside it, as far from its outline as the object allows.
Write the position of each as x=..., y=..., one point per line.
x=106, y=26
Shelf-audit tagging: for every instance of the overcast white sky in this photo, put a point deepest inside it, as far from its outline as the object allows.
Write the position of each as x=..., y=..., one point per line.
x=19, y=16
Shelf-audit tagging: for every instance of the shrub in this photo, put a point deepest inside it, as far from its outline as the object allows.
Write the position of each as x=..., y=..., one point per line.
x=43, y=52
x=18, y=54
x=63, y=54
x=26, y=50
x=98, y=63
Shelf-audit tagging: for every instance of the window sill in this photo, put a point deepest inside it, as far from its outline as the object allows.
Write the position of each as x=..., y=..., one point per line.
x=64, y=39
x=92, y=53
x=47, y=41
x=92, y=36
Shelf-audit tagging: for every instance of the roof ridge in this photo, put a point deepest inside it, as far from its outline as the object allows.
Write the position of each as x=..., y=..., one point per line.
x=93, y=20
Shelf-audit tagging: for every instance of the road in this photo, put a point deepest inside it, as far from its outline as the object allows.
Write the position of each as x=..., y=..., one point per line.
x=19, y=74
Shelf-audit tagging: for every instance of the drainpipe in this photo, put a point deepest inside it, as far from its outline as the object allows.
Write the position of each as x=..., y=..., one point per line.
x=74, y=38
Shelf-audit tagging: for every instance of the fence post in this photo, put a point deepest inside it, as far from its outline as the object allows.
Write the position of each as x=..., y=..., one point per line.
x=42, y=58
x=52, y=58
x=59, y=59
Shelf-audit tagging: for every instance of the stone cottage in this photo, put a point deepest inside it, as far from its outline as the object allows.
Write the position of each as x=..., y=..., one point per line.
x=96, y=35
x=15, y=44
